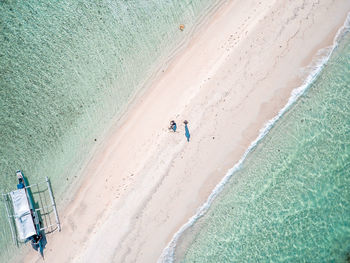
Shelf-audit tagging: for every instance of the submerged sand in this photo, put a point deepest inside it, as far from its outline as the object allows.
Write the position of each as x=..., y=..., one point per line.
x=145, y=182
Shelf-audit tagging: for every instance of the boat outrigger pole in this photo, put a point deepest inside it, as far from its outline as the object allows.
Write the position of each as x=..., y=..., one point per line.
x=4, y=196
x=53, y=203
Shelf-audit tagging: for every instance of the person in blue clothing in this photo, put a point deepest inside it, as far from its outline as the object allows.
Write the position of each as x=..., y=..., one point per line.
x=187, y=132
x=20, y=184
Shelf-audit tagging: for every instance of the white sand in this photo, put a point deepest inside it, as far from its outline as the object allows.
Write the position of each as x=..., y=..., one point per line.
x=235, y=74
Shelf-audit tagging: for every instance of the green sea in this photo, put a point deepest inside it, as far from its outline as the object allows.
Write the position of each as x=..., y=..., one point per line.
x=68, y=69
x=289, y=200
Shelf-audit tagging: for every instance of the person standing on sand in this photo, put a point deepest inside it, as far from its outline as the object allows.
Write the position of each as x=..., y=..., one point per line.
x=172, y=126
x=187, y=132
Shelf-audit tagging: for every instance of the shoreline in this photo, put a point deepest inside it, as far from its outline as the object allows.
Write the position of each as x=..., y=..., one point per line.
x=136, y=98
x=167, y=169
x=168, y=254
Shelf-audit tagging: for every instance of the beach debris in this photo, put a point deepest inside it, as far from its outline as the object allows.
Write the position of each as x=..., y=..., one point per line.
x=172, y=125
x=187, y=132
x=182, y=27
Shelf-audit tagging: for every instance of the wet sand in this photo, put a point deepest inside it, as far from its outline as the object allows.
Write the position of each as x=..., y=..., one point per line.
x=144, y=182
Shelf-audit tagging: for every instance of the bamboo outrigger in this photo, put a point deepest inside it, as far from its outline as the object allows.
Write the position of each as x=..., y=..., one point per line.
x=24, y=221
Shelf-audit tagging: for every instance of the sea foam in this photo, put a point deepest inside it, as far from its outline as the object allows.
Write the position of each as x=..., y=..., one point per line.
x=168, y=254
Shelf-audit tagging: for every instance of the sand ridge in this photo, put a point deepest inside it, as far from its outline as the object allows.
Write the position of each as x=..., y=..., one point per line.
x=232, y=77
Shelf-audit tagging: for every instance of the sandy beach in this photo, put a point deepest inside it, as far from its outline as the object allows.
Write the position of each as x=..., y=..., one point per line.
x=234, y=74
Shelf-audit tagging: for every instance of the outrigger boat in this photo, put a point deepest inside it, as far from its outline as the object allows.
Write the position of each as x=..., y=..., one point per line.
x=25, y=217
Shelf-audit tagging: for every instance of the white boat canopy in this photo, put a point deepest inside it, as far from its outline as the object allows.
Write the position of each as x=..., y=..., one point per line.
x=22, y=214
x=26, y=221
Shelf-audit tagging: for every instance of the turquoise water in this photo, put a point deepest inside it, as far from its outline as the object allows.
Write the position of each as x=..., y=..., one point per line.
x=290, y=201
x=67, y=68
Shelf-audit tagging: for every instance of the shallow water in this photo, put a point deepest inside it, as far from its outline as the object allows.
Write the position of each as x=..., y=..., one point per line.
x=67, y=68
x=291, y=199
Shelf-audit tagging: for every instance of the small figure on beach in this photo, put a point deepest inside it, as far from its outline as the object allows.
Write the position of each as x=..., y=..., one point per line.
x=182, y=27
x=187, y=132
x=172, y=126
